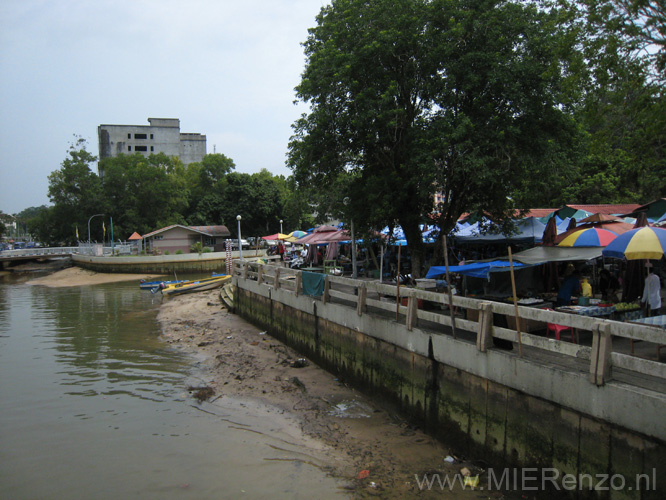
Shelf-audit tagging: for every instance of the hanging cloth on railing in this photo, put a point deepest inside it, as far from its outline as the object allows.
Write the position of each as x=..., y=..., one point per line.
x=313, y=284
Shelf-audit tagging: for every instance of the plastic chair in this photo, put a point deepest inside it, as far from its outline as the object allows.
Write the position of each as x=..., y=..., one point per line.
x=558, y=329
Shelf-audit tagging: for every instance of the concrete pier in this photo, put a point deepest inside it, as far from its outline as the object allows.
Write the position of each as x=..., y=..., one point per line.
x=555, y=408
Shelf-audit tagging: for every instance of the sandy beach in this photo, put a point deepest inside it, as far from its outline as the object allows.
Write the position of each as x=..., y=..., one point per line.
x=368, y=444
x=75, y=276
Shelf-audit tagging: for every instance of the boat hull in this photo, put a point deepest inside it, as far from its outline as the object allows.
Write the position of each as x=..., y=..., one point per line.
x=153, y=285
x=195, y=286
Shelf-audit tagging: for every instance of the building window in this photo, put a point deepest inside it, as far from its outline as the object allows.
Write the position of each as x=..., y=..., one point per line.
x=140, y=148
x=152, y=148
x=151, y=136
x=140, y=136
x=129, y=148
x=129, y=136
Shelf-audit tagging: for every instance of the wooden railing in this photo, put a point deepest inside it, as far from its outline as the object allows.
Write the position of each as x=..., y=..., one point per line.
x=599, y=356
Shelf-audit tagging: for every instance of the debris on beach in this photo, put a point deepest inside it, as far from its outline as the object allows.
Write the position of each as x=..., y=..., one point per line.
x=300, y=363
x=202, y=394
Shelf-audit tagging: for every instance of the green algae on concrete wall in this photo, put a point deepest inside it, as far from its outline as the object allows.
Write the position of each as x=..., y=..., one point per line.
x=470, y=413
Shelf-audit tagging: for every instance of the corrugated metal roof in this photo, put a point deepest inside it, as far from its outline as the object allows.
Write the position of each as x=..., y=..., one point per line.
x=539, y=212
x=206, y=230
x=607, y=209
x=213, y=230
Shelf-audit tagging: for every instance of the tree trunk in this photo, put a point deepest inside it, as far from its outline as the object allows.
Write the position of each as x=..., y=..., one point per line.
x=415, y=244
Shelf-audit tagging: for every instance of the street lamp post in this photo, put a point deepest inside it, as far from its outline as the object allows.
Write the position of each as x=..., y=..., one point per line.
x=281, y=226
x=240, y=246
x=96, y=215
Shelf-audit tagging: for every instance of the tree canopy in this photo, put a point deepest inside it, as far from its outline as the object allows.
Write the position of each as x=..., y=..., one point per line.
x=409, y=98
x=143, y=194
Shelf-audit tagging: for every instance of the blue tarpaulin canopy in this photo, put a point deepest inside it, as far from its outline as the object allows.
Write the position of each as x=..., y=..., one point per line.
x=528, y=230
x=477, y=269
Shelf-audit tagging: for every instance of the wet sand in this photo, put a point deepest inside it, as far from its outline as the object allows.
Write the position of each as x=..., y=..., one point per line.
x=374, y=450
x=75, y=276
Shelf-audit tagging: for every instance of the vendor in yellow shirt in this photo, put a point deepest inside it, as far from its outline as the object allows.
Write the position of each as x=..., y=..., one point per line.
x=586, y=288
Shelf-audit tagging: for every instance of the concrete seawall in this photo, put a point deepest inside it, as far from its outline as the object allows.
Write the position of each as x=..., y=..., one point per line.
x=516, y=412
x=160, y=264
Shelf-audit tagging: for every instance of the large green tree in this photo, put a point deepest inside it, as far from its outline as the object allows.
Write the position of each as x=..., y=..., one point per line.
x=206, y=183
x=411, y=97
x=142, y=194
x=75, y=194
x=257, y=199
x=621, y=109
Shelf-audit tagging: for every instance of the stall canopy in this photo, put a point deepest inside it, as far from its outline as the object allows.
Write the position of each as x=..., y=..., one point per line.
x=541, y=255
x=476, y=269
x=528, y=230
x=322, y=234
x=275, y=237
x=398, y=238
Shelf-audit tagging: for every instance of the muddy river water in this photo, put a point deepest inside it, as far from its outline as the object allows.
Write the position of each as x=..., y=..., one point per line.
x=94, y=405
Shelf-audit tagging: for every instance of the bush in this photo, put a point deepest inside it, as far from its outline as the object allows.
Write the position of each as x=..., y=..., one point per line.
x=179, y=252
x=197, y=248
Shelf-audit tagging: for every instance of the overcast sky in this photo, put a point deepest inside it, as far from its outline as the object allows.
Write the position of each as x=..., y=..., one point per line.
x=226, y=68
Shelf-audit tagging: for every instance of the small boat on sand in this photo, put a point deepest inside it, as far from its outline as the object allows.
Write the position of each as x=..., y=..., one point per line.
x=155, y=285
x=194, y=285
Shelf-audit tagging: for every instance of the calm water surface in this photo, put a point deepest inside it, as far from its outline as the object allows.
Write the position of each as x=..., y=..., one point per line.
x=94, y=405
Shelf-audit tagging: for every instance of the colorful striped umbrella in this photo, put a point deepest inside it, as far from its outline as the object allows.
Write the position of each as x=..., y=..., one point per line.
x=589, y=237
x=641, y=243
x=295, y=236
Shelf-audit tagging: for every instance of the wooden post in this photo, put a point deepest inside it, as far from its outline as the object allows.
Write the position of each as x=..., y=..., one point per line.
x=326, y=297
x=276, y=283
x=484, y=336
x=412, y=312
x=600, y=357
x=515, y=305
x=448, y=286
x=299, y=281
x=361, y=305
x=397, y=290
x=246, y=266
x=260, y=274
x=327, y=290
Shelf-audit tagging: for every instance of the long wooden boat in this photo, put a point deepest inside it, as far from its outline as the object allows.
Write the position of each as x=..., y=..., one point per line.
x=195, y=285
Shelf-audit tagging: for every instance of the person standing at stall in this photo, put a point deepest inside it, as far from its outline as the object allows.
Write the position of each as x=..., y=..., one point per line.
x=652, y=292
x=609, y=286
x=569, y=287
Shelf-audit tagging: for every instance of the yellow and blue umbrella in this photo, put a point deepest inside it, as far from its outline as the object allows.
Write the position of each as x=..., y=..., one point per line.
x=639, y=243
x=295, y=236
x=588, y=237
